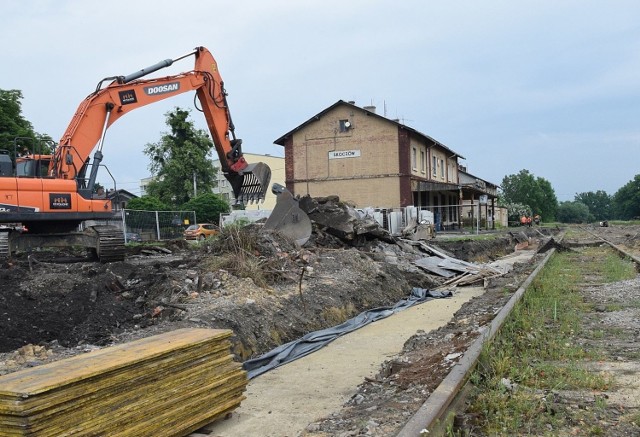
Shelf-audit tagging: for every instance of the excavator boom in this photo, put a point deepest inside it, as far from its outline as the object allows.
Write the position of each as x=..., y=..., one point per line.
x=126, y=93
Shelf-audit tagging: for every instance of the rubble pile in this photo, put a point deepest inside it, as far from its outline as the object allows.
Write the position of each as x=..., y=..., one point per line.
x=329, y=214
x=456, y=272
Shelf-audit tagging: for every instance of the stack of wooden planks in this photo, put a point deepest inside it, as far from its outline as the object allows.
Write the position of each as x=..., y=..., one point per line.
x=166, y=385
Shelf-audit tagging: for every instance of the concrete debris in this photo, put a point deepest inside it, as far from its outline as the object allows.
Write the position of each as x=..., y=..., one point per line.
x=419, y=231
x=550, y=243
x=342, y=220
x=453, y=356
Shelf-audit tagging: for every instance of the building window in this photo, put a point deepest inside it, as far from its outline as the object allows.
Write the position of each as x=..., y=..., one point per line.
x=413, y=158
x=423, y=162
x=435, y=166
x=442, y=168
x=345, y=125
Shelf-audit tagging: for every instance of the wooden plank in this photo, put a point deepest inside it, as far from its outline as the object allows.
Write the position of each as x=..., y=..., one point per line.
x=51, y=376
x=124, y=377
x=170, y=384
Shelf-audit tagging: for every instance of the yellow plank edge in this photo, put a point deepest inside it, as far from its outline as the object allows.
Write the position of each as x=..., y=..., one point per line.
x=49, y=376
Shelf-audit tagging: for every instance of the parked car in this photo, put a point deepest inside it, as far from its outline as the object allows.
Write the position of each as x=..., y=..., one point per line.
x=200, y=231
x=132, y=237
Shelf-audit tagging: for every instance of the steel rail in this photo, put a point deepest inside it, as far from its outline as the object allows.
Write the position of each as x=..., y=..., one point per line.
x=618, y=248
x=433, y=412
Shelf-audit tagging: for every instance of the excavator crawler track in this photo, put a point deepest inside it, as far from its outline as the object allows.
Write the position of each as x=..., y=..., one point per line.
x=4, y=245
x=110, y=246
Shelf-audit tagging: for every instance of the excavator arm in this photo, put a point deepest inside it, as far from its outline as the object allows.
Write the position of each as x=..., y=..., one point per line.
x=125, y=93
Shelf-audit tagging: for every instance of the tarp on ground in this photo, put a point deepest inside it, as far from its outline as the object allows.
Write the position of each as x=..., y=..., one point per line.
x=315, y=340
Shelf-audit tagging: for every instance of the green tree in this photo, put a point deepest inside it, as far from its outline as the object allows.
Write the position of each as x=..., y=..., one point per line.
x=515, y=211
x=14, y=125
x=599, y=204
x=626, y=200
x=573, y=212
x=535, y=192
x=208, y=207
x=179, y=158
x=147, y=203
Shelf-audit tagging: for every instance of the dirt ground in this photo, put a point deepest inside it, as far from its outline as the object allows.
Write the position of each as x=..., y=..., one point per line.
x=64, y=301
x=55, y=305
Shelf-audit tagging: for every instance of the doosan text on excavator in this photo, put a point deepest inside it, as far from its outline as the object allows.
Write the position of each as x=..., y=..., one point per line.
x=50, y=189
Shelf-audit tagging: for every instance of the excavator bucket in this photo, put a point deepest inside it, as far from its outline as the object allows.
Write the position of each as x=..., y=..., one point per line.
x=251, y=185
x=287, y=218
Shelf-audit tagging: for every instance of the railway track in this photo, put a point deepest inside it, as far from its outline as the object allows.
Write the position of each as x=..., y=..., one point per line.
x=611, y=326
x=322, y=383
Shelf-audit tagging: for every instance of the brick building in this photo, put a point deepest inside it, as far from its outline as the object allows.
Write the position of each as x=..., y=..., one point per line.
x=372, y=161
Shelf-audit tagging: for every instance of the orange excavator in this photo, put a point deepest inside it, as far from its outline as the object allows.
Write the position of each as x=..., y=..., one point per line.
x=50, y=191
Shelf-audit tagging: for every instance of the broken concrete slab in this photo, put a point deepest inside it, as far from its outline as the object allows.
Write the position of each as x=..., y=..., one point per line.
x=431, y=264
x=342, y=220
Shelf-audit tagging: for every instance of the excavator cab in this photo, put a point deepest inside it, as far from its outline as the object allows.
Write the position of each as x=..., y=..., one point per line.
x=32, y=165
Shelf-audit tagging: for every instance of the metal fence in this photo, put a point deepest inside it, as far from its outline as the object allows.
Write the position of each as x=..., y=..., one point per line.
x=166, y=225
x=155, y=225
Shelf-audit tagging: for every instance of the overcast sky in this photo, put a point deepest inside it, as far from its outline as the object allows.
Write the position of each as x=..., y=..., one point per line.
x=548, y=86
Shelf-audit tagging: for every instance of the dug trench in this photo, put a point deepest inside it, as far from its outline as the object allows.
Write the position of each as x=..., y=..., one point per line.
x=59, y=299
x=264, y=288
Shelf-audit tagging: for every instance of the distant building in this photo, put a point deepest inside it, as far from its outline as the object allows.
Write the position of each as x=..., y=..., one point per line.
x=119, y=199
x=144, y=183
x=482, y=194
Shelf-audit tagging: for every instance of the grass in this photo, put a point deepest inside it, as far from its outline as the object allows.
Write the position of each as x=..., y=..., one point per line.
x=616, y=269
x=475, y=237
x=239, y=253
x=624, y=222
x=635, y=418
x=536, y=350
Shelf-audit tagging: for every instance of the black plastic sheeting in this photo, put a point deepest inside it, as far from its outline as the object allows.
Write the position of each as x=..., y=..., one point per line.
x=315, y=340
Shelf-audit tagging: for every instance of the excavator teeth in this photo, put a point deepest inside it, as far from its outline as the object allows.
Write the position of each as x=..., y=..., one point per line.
x=255, y=183
x=251, y=189
x=252, y=184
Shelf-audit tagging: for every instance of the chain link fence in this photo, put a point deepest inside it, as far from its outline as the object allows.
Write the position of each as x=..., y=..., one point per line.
x=155, y=225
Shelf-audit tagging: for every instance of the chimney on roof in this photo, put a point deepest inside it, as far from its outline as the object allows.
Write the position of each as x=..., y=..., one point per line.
x=351, y=102
x=370, y=108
